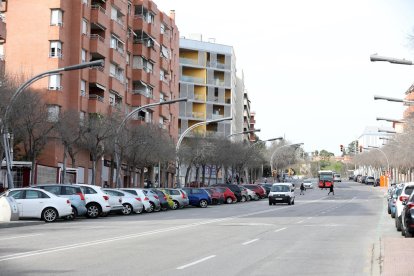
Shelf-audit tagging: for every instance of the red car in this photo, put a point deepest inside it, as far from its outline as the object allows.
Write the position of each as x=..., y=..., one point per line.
x=229, y=196
x=217, y=197
x=259, y=190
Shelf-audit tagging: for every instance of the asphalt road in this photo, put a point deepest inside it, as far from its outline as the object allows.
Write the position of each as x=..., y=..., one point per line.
x=319, y=235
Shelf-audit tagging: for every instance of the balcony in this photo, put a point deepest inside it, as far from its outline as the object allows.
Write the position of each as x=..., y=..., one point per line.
x=118, y=28
x=164, y=111
x=148, y=53
x=188, y=61
x=216, y=116
x=98, y=76
x=99, y=16
x=140, y=74
x=96, y=104
x=140, y=100
x=192, y=79
x=116, y=85
x=117, y=56
x=97, y=45
x=140, y=24
x=198, y=115
x=121, y=4
x=198, y=97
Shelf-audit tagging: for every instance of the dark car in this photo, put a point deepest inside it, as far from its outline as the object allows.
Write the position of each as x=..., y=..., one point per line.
x=377, y=182
x=407, y=217
x=162, y=198
x=259, y=190
x=234, y=188
x=198, y=197
x=266, y=186
x=217, y=197
x=363, y=178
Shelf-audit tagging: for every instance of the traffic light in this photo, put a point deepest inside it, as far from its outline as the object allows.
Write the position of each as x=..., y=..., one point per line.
x=360, y=148
x=356, y=144
x=342, y=148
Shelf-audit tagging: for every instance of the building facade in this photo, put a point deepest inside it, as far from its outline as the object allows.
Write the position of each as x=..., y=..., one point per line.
x=3, y=32
x=140, y=48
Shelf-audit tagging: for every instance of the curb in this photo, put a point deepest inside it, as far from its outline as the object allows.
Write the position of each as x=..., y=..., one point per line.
x=12, y=224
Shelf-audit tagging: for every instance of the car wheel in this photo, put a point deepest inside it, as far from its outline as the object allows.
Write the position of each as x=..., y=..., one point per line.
x=293, y=202
x=397, y=223
x=127, y=210
x=203, y=203
x=392, y=215
x=93, y=210
x=289, y=202
x=243, y=199
x=175, y=205
x=152, y=207
x=214, y=202
x=408, y=234
x=74, y=214
x=389, y=210
x=229, y=200
x=50, y=215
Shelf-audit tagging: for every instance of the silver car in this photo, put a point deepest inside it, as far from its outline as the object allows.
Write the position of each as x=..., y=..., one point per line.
x=131, y=203
x=150, y=202
x=179, y=197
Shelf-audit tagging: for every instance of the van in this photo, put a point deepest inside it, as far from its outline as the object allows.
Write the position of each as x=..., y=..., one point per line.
x=337, y=177
x=282, y=193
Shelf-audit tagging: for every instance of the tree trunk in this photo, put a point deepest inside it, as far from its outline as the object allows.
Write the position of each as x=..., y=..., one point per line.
x=111, y=173
x=217, y=171
x=187, y=173
x=93, y=180
x=32, y=176
x=141, y=178
x=210, y=173
x=197, y=175
x=65, y=153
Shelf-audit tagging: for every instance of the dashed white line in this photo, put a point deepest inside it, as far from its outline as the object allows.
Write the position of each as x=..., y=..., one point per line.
x=196, y=262
x=19, y=237
x=249, y=242
x=281, y=229
x=300, y=221
x=310, y=218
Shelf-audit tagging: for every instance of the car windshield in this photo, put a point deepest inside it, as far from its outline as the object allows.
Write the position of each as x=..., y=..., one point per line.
x=409, y=190
x=325, y=177
x=280, y=188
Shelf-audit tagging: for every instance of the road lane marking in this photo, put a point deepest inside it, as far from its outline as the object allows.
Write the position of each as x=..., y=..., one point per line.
x=310, y=218
x=18, y=237
x=196, y=262
x=137, y=235
x=300, y=221
x=281, y=229
x=249, y=242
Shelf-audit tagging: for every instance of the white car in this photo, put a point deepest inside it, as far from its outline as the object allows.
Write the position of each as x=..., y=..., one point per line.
x=131, y=203
x=37, y=203
x=405, y=194
x=97, y=201
x=308, y=185
x=282, y=193
x=150, y=202
x=252, y=195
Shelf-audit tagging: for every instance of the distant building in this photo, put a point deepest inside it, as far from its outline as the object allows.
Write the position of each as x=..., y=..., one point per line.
x=370, y=137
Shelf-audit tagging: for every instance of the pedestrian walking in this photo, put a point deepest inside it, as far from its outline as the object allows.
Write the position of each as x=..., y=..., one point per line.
x=302, y=189
x=331, y=189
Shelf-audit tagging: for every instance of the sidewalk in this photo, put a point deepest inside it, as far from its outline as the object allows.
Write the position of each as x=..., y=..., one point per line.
x=398, y=256
x=20, y=223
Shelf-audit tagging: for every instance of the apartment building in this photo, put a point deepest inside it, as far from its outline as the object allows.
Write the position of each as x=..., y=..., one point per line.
x=253, y=136
x=3, y=33
x=138, y=43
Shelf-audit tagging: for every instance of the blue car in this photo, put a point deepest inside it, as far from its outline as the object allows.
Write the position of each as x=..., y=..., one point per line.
x=198, y=197
x=73, y=193
x=392, y=199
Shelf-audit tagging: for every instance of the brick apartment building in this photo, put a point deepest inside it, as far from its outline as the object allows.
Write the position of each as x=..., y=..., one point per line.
x=138, y=43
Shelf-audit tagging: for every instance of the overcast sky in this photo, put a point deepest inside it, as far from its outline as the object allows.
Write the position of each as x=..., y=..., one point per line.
x=306, y=63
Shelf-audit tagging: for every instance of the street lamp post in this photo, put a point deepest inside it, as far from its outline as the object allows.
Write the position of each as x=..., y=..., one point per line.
x=177, y=148
x=243, y=132
x=273, y=154
x=386, y=158
x=258, y=142
x=118, y=130
x=390, y=120
x=376, y=57
x=396, y=100
x=20, y=89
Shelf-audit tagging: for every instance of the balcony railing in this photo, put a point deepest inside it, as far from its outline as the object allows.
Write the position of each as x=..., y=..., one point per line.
x=96, y=97
x=219, y=82
x=98, y=7
x=199, y=97
x=198, y=115
x=188, y=61
x=192, y=79
x=216, y=116
x=142, y=92
x=98, y=37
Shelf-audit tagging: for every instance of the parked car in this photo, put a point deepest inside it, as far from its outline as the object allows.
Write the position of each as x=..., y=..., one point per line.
x=392, y=199
x=130, y=202
x=363, y=179
x=162, y=197
x=198, y=197
x=73, y=193
x=407, y=217
x=150, y=202
x=234, y=188
x=251, y=194
x=229, y=196
x=244, y=194
x=259, y=190
x=282, y=193
x=97, y=201
x=179, y=197
x=370, y=180
x=217, y=197
x=38, y=203
x=377, y=182
x=267, y=187
x=407, y=189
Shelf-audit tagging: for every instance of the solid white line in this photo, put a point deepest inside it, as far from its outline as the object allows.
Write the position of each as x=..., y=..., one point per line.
x=102, y=241
x=281, y=229
x=196, y=262
x=248, y=242
x=300, y=221
x=18, y=237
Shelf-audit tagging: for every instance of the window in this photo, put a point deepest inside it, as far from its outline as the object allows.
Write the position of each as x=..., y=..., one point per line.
x=53, y=113
x=55, y=49
x=162, y=97
x=128, y=57
x=148, y=116
x=164, y=52
x=116, y=15
x=54, y=82
x=83, y=55
x=117, y=44
x=129, y=7
x=111, y=99
x=140, y=62
x=56, y=16
x=116, y=72
x=162, y=28
x=83, y=88
x=85, y=2
x=84, y=26
x=142, y=12
x=163, y=75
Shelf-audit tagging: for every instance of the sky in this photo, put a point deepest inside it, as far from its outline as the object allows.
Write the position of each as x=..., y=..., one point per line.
x=307, y=63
